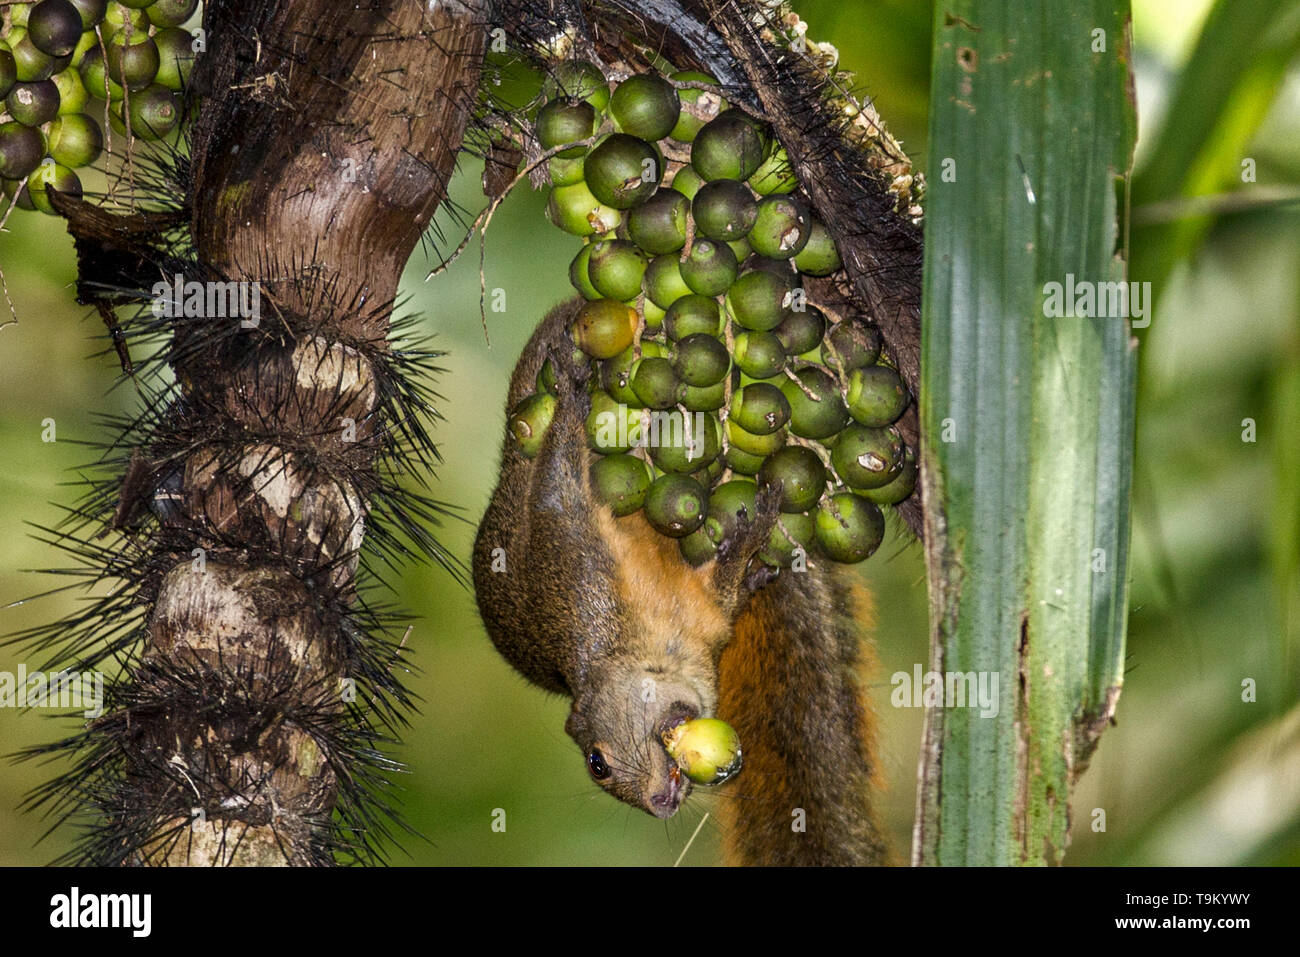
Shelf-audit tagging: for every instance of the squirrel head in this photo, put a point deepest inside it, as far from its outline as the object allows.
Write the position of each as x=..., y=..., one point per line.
x=619, y=723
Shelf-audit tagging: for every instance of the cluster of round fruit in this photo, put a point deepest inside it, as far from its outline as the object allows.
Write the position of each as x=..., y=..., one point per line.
x=55, y=55
x=716, y=374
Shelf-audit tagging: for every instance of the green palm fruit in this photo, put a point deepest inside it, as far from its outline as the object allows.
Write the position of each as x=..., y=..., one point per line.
x=623, y=171
x=616, y=373
x=645, y=106
x=33, y=104
x=170, y=13
x=760, y=408
x=793, y=533
x=175, y=57
x=687, y=182
x=747, y=441
x=876, y=396
x=691, y=314
x=730, y=504
x=654, y=316
x=578, y=276
x=868, y=458
x=851, y=345
x=775, y=175
x=701, y=360
x=21, y=149
x=615, y=268
x=802, y=331
x=52, y=176
x=703, y=398
x=561, y=170
x=54, y=27
x=132, y=61
x=819, y=412
x=155, y=112
x=612, y=426
x=698, y=106
x=72, y=92
x=663, y=282
x=709, y=269
x=742, y=462
x=733, y=146
x=819, y=256
x=781, y=228
x=575, y=210
x=849, y=528
x=546, y=378
x=760, y=299
x=760, y=355
x=530, y=420
x=724, y=210
x=801, y=474
x=697, y=548
x=675, y=505
x=903, y=485
x=74, y=140
x=119, y=18
x=659, y=224
x=96, y=79
x=654, y=382
x=562, y=121
x=686, y=443
x=31, y=64
x=89, y=41
x=706, y=749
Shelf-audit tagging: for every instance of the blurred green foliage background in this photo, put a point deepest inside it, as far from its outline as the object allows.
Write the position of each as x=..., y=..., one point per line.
x=1191, y=774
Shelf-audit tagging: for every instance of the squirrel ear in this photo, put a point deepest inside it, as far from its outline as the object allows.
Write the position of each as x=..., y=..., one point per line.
x=574, y=720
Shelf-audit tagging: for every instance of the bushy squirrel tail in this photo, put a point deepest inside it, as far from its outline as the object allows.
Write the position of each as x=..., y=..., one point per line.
x=791, y=683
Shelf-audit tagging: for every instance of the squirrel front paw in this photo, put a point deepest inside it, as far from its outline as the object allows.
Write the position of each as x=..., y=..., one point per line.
x=738, y=572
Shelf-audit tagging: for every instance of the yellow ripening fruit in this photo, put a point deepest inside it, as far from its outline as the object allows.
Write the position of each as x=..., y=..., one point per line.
x=706, y=749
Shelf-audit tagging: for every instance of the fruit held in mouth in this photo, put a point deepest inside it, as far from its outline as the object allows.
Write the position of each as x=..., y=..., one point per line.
x=717, y=372
x=706, y=749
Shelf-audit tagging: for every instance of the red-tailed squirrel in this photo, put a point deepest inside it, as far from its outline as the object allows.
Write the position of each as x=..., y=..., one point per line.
x=605, y=611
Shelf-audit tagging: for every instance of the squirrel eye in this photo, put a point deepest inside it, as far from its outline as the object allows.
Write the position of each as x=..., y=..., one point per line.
x=596, y=765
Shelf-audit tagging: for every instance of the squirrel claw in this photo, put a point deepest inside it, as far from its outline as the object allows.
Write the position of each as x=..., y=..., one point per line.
x=570, y=378
x=568, y=373
x=760, y=574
